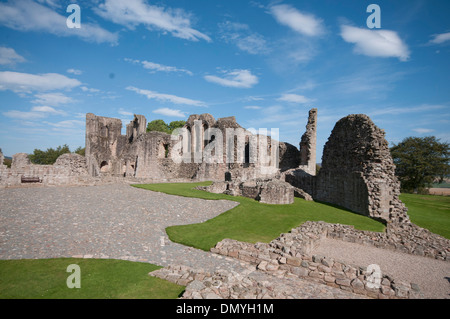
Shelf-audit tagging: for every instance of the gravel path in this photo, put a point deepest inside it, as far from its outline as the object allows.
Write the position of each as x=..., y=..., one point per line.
x=119, y=222
x=108, y=221
x=432, y=275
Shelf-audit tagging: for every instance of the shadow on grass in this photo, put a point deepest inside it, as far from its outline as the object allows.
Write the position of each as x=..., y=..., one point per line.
x=350, y=211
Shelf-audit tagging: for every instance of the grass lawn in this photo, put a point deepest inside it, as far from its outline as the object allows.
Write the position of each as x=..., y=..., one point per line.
x=252, y=221
x=429, y=211
x=100, y=279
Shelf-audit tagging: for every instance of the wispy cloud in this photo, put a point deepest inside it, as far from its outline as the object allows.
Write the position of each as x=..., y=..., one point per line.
x=67, y=124
x=295, y=98
x=25, y=82
x=90, y=90
x=154, y=67
x=252, y=107
x=407, y=110
x=376, y=43
x=21, y=115
x=132, y=13
x=8, y=56
x=303, y=23
x=166, y=97
x=235, y=79
x=47, y=109
x=170, y=112
x=421, y=130
x=74, y=71
x=440, y=38
x=53, y=99
x=27, y=15
x=372, y=82
x=125, y=113
x=245, y=39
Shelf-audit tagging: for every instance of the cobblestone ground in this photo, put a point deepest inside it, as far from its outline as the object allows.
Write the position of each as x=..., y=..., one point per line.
x=115, y=221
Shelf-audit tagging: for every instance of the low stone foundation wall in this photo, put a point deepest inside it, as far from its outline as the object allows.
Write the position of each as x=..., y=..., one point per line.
x=265, y=191
x=290, y=254
x=251, y=284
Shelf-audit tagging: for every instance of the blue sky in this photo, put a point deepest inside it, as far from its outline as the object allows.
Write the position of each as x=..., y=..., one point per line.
x=265, y=62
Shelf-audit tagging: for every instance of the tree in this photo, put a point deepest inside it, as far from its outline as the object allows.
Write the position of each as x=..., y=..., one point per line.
x=420, y=160
x=50, y=156
x=80, y=151
x=176, y=124
x=161, y=126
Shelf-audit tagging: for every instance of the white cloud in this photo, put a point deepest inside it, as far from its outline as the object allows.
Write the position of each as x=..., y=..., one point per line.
x=440, y=38
x=295, y=98
x=169, y=112
x=36, y=113
x=8, y=56
x=166, y=97
x=25, y=82
x=158, y=67
x=90, y=90
x=132, y=13
x=422, y=130
x=51, y=3
x=74, y=71
x=24, y=115
x=252, y=107
x=235, y=78
x=163, y=68
x=407, y=110
x=47, y=109
x=241, y=35
x=53, y=99
x=67, y=124
x=376, y=43
x=26, y=15
x=125, y=113
x=254, y=98
x=303, y=23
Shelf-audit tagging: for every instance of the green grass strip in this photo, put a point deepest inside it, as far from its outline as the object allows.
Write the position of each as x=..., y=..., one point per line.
x=99, y=278
x=252, y=221
x=429, y=211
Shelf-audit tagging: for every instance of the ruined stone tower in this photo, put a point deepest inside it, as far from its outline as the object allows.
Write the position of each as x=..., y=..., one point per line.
x=358, y=171
x=308, y=145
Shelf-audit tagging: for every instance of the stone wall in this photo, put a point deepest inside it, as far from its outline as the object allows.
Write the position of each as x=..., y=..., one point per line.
x=68, y=169
x=144, y=154
x=264, y=191
x=357, y=172
x=308, y=145
x=292, y=254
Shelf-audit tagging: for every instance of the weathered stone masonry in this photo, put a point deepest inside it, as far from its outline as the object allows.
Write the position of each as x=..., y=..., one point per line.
x=68, y=169
x=144, y=154
x=357, y=172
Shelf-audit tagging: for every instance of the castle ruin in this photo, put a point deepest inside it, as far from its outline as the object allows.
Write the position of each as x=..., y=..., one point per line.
x=357, y=170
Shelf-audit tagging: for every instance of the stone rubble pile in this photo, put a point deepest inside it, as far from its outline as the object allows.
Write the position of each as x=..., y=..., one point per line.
x=225, y=284
x=271, y=191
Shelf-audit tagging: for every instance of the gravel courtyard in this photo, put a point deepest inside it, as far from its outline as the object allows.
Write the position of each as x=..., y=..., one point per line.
x=108, y=221
x=123, y=222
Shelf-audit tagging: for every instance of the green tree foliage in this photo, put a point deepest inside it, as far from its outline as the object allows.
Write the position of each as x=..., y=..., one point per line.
x=176, y=124
x=158, y=125
x=419, y=161
x=161, y=126
x=50, y=156
x=80, y=151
